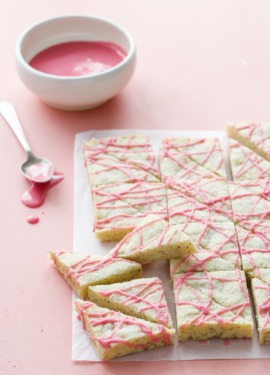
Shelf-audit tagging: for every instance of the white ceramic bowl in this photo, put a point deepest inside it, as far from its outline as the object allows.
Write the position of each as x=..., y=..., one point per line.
x=74, y=92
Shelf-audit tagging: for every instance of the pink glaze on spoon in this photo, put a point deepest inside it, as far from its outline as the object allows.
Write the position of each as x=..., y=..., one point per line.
x=35, y=196
x=39, y=172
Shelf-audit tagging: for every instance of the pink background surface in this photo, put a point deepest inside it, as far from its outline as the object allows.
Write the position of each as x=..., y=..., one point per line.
x=200, y=63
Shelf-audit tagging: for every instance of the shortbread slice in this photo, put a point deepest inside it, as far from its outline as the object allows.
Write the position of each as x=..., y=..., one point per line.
x=254, y=248
x=207, y=152
x=143, y=298
x=176, y=164
x=182, y=208
x=144, y=197
x=255, y=136
x=212, y=304
x=247, y=204
x=107, y=170
x=260, y=287
x=119, y=208
x=205, y=261
x=246, y=164
x=259, y=187
x=113, y=219
x=214, y=238
x=212, y=192
x=114, y=334
x=131, y=149
x=217, y=247
x=261, y=227
x=81, y=271
x=154, y=239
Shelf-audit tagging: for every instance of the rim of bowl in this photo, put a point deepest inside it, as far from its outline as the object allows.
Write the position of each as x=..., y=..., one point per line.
x=127, y=58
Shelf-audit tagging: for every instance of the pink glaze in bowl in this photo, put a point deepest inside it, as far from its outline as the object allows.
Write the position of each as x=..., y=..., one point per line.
x=74, y=92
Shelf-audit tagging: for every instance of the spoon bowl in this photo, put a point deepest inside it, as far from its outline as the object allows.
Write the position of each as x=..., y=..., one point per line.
x=34, y=169
x=37, y=169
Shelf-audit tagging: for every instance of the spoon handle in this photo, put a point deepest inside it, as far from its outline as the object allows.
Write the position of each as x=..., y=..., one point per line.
x=8, y=112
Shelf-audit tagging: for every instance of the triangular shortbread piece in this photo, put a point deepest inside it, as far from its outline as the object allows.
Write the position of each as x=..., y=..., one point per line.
x=259, y=187
x=108, y=170
x=143, y=298
x=132, y=150
x=145, y=197
x=212, y=304
x=212, y=192
x=114, y=334
x=206, y=152
x=260, y=286
x=248, y=204
x=256, y=136
x=254, y=246
x=183, y=208
x=176, y=164
x=246, y=164
x=154, y=239
x=81, y=271
x=119, y=207
x=217, y=247
x=205, y=261
x=262, y=227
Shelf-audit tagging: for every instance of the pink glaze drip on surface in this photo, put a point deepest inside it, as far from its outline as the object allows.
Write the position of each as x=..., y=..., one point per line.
x=226, y=342
x=35, y=196
x=78, y=58
x=32, y=219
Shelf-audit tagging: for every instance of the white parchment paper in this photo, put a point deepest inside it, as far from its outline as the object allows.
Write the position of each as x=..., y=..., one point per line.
x=85, y=242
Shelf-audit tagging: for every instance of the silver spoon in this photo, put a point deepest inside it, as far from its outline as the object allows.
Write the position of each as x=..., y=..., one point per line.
x=34, y=169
